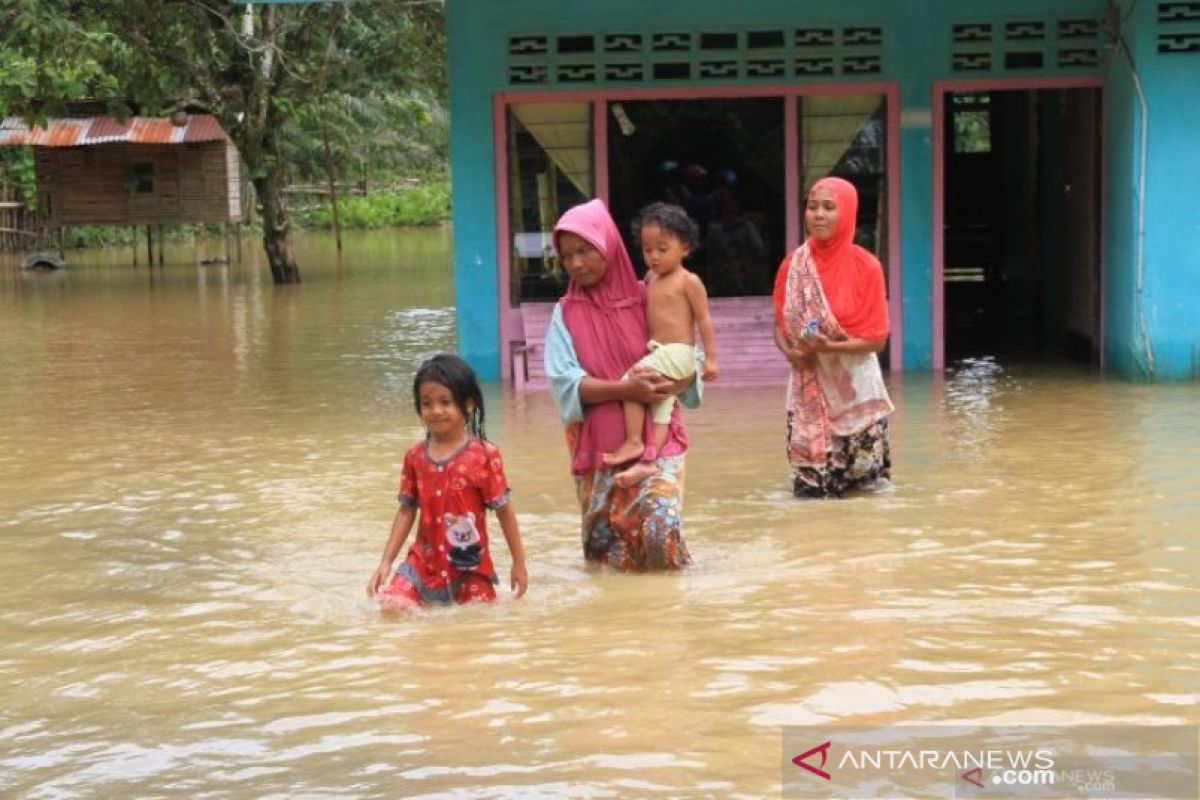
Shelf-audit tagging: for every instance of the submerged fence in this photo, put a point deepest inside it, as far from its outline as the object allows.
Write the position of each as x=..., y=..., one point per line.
x=17, y=223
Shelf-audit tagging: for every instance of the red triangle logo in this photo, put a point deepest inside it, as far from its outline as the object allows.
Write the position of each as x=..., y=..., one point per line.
x=974, y=776
x=823, y=749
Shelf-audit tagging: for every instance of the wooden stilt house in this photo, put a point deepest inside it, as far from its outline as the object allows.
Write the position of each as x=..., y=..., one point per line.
x=142, y=171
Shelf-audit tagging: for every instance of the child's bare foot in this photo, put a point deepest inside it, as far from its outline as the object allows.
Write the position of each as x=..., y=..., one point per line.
x=628, y=451
x=635, y=474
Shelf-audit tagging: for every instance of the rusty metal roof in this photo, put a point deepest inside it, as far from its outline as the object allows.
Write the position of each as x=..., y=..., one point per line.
x=84, y=131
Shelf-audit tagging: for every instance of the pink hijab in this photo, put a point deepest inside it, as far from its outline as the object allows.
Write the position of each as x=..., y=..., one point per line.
x=607, y=323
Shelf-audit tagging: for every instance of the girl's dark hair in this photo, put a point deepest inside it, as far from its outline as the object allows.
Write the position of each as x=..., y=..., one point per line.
x=670, y=218
x=457, y=376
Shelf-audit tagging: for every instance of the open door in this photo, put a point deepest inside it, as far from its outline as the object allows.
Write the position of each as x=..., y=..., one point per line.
x=1022, y=236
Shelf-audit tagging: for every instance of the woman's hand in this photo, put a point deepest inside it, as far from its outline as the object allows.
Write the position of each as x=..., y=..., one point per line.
x=648, y=386
x=817, y=343
x=798, y=351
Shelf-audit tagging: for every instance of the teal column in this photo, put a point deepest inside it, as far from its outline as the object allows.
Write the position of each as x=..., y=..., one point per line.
x=477, y=51
x=916, y=223
x=1170, y=263
x=1152, y=281
x=1122, y=120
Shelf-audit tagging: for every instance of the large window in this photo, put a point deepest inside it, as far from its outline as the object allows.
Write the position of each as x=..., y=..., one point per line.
x=846, y=136
x=549, y=170
x=722, y=159
x=726, y=160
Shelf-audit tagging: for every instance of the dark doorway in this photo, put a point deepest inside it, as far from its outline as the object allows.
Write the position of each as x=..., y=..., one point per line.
x=1022, y=247
x=722, y=160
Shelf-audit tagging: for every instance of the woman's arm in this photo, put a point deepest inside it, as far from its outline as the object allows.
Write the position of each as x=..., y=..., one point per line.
x=805, y=347
x=642, y=386
x=781, y=341
x=797, y=354
x=573, y=388
x=563, y=370
x=819, y=343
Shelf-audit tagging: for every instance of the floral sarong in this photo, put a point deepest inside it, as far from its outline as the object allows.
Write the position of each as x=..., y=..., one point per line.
x=634, y=529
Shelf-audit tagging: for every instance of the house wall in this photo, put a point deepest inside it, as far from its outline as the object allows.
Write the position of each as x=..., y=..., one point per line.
x=88, y=185
x=1152, y=286
x=921, y=46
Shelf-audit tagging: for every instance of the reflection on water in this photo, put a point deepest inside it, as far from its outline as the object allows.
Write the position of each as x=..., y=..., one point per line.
x=197, y=473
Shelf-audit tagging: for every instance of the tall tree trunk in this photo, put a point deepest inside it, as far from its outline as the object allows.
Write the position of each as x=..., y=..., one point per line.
x=258, y=141
x=277, y=228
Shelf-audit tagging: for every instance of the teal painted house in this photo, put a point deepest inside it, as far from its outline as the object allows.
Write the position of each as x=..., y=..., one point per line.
x=1027, y=169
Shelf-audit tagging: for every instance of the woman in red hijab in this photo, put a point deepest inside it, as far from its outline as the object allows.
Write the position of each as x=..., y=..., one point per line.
x=830, y=321
x=596, y=334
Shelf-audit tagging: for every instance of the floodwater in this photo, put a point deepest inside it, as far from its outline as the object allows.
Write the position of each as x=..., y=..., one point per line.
x=197, y=475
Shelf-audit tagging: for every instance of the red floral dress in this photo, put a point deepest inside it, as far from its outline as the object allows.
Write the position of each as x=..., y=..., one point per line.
x=451, y=552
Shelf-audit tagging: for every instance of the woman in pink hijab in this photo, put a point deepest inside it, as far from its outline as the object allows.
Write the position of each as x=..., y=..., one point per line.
x=596, y=334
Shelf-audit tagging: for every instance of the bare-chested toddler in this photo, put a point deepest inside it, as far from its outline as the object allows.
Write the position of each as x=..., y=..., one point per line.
x=676, y=306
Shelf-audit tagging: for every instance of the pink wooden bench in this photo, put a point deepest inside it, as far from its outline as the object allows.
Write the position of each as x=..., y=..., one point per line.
x=743, y=325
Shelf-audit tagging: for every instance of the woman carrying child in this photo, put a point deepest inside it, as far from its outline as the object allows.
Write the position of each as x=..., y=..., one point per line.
x=597, y=333
x=450, y=478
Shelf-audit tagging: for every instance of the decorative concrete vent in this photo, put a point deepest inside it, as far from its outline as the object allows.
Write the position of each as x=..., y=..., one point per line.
x=1024, y=45
x=709, y=56
x=1179, y=28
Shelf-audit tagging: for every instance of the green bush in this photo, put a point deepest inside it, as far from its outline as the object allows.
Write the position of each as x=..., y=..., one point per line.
x=428, y=204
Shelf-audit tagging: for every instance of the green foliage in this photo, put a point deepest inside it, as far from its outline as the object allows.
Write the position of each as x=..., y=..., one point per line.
x=279, y=77
x=421, y=205
x=86, y=236
x=972, y=132
x=376, y=136
x=56, y=51
x=16, y=169
x=96, y=236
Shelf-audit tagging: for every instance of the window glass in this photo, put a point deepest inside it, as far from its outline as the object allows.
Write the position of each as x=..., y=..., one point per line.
x=722, y=160
x=846, y=136
x=549, y=170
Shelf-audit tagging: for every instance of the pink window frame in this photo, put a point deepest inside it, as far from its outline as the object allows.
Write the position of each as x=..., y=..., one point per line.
x=510, y=318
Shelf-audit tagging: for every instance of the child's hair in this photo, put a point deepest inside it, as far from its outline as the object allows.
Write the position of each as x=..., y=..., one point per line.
x=670, y=218
x=457, y=376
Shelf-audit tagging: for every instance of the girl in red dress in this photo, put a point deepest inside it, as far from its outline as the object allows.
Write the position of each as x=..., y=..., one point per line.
x=451, y=478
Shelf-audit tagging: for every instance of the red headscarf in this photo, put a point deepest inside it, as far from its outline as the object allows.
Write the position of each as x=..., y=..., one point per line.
x=850, y=275
x=607, y=323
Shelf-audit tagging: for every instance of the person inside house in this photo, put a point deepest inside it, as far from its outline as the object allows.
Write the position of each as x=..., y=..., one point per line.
x=597, y=333
x=831, y=320
x=734, y=244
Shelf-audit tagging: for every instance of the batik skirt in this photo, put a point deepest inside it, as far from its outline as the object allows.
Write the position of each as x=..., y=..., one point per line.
x=856, y=461
x=638, y=528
